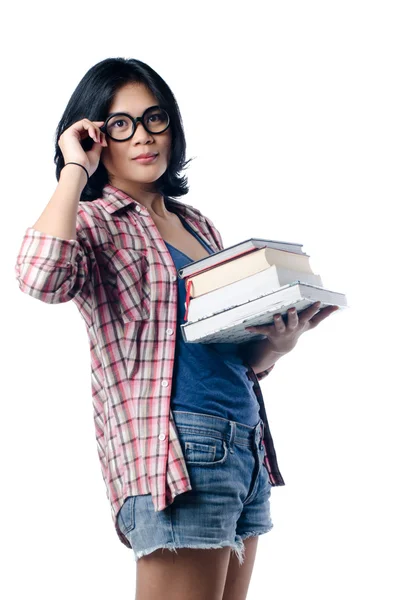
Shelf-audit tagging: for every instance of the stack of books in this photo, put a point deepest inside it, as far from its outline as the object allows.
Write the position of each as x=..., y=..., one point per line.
x=246, y=285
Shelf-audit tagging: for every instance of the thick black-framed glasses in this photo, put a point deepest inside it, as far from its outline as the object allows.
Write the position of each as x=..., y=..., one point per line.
x=121, y=126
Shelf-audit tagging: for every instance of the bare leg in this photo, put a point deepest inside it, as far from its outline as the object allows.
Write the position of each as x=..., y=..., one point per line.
x=191, y=574
x=239, y=577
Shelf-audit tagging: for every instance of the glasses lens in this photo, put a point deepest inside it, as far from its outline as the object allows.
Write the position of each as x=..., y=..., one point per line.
x=156, y=120
x=120, y=127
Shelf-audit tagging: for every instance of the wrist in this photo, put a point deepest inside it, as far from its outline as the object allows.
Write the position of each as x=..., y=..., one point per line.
x=75, y=170
x=260, y=355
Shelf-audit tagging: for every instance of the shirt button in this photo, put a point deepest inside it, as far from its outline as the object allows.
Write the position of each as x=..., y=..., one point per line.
x=138, y=209
x=161, y=436
x=164, y=383
x=170, y=331
x=174, y=277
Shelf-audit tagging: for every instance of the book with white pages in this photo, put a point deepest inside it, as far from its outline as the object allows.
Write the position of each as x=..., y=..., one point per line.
x=246, y=289
x=244, y=266
x=235, y=251
x=229, y=326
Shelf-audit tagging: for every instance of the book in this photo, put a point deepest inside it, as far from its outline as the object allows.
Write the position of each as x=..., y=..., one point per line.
x=242, y=267
x=229, y=326
x=246, y=289
x=235, y=251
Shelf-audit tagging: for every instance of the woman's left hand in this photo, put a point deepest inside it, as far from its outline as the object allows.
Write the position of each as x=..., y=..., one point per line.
x=282, y=338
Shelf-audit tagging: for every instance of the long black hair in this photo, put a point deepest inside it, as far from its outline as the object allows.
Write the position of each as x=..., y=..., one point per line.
x=92, y=99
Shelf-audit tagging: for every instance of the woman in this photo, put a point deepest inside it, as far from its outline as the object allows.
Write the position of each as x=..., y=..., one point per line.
x=182, y=434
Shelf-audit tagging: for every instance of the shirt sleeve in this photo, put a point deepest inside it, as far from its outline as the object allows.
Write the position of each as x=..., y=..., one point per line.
x=52, y=269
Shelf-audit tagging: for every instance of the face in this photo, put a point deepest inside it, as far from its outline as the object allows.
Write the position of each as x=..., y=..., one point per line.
x=118, y=157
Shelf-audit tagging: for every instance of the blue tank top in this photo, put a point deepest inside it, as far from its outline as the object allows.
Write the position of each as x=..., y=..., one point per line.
x=209, y=378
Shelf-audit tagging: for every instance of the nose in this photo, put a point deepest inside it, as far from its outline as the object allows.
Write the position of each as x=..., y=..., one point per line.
x=140, y=134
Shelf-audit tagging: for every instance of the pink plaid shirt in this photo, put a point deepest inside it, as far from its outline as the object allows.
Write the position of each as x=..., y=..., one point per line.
x=122, y=278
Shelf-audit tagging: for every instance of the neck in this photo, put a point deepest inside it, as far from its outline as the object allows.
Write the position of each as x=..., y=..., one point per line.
x=153, y=201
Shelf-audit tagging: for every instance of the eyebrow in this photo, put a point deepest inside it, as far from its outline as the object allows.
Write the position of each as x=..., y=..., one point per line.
x=125, y=112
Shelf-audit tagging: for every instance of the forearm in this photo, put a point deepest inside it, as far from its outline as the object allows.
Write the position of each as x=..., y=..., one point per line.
x=60, y=215
x=260, y=356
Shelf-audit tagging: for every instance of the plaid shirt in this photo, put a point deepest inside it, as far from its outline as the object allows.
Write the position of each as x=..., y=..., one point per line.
x=122, y=278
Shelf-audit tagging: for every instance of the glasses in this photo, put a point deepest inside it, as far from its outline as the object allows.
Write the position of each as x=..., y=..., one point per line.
x=121, y=126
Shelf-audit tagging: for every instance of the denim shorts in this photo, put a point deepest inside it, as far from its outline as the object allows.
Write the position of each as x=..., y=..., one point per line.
x=229, y=500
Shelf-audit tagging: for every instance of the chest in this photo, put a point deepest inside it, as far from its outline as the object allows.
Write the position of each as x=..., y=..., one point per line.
x=179, y=237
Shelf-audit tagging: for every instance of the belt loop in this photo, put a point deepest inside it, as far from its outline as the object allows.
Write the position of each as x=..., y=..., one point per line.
x=232, y=436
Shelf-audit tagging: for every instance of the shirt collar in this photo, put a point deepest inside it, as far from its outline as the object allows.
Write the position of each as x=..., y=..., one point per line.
x=114, y=199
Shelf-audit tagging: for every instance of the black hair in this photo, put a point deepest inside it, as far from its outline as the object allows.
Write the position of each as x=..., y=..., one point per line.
x=92, y=99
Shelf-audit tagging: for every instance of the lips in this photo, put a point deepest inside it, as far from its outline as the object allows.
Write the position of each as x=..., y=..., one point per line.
x=150, y=155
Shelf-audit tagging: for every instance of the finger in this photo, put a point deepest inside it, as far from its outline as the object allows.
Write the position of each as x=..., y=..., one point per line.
x=91, y=132
x=293, y=319
x=323, y=314
x=101, y=134
x=101, y=137
x=258, y=329
x=279, y=323
x=307, y=314
x=279, y=326
x=311, y=310
x=327, y=311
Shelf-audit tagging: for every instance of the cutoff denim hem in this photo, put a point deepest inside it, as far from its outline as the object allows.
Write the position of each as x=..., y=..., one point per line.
x=238, y=548
x=229, y=499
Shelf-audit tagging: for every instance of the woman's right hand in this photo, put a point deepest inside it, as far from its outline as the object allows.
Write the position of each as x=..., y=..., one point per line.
x=72, y=150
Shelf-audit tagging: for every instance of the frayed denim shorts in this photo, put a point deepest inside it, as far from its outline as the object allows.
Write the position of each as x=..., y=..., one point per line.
x=229, y=500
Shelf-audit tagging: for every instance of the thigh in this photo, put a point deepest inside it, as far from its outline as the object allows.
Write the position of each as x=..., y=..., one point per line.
x=239, y=576
x=195, y=574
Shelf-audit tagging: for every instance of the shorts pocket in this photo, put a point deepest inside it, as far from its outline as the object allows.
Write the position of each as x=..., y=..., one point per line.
x=201, y=448
x=126, y=518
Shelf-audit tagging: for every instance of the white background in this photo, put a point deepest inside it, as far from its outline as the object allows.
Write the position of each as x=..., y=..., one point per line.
x=290, y=109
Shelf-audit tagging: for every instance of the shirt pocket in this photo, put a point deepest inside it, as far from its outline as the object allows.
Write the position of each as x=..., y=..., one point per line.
x=133, y=286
